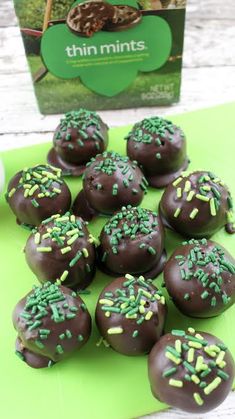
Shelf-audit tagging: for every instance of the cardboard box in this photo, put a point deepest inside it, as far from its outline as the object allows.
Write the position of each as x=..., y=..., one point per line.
x=133, y=60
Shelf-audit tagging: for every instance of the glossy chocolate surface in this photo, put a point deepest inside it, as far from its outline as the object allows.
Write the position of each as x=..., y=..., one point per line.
x=159, y=147
x=36, y=193
x=110, y=182
x=196, y=205
x=61, y=249
x=79, y=136
x=130, y=315
x=51, y=322
x=200, y=278
x=192, y=371
x=132, y=241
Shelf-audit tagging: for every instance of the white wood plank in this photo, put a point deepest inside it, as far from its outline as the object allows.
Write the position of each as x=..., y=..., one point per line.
x=225, y=411
x=201, y=87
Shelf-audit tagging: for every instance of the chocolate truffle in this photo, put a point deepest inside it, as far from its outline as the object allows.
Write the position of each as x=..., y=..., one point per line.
x=191, y=370
x=109, y=183
x=159, y=147
x=125, y=17
x=130, y=315
x=51, y=322
x=79, y=136
x=132, y=241
x=61, y=249
x=89, y=17
x=197, y=205
x=36, y=193
x=200, y=278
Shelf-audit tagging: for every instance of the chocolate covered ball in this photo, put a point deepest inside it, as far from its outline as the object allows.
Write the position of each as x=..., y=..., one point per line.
x=61, y=249
x=193, y=371
x=51, y=322
x=200, y=278
x=197, y=205
x=79, y=136
x=130, y=315
x=36, y=193
x=159, y=147
x=109, y=183
x=132, y=241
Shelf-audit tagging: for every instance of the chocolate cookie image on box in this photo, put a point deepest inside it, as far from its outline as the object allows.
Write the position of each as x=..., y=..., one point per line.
x=132, y=241
x=190, y=370
x=79, y=136
x=130, y=315
x=197, y=205
x=200, y=278
x=110, y=182
x=159, y=147
x=51, y=322
x=36, y=193
x=89, y=17
x=61, y=249
x=125, y=17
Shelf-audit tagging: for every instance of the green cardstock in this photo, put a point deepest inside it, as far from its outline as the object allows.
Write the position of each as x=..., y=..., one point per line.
x=108, y=62
x=97, y=382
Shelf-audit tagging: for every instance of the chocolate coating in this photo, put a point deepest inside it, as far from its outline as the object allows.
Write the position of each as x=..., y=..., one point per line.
x=196, y=205
x=132, y=241
x=51, y=322
x=159, y=147
x=36, y=193
x=79, y=136
x=109, y=183
x=89, y=17
x=61, y=249
x=200, y=278
x=125, y=17
x=195, y=381
x=130, y=315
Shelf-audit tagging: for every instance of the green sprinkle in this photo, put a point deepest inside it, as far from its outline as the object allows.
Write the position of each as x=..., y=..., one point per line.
x=212, y=207
x=204, y=295
x=37, y=238
x=44, y=249
x=177, y=212
x=212, y=386
x=151, y=250
x=115, y=189
x=64, y=276
x=198, y=399
x=68, y=334
x=190, y=196
x=65, y=250
x=169, y=372
x=176, y=383
x=176, y=332
x=115, y=330
x=177, y=181
x=193, y=213
x=223, y=375
x=11, y=193
x=59, y=349
x=80, y=338
x=158, y=156
x=135, y=333
x=202, y=198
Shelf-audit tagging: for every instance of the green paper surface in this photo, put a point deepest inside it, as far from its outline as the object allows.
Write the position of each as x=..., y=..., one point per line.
x=96, y=382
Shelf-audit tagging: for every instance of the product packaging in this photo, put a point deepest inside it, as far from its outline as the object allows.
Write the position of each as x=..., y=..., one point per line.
x=102, y=55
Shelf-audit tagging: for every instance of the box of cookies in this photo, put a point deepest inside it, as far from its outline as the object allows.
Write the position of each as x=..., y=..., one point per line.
x=103, y=54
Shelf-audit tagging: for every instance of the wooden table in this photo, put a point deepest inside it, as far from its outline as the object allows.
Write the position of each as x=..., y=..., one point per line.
x=208, y=79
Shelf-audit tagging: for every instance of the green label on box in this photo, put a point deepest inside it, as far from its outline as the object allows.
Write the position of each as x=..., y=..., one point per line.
x=108, y=62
